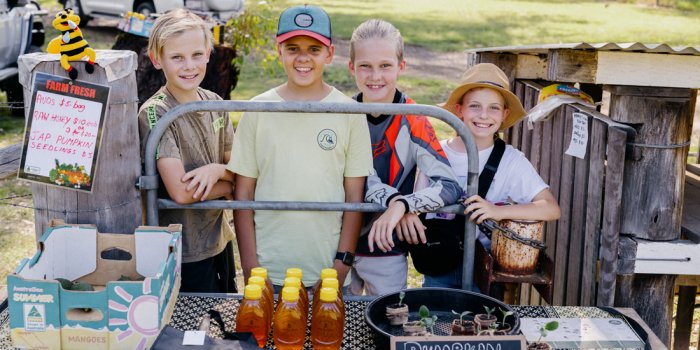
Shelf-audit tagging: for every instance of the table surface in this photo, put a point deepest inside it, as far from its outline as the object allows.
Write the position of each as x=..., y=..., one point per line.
x=190, y=308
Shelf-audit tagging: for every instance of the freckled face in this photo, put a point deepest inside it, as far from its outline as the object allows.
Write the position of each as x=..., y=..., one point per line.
x=376, y=69
x=483, y=111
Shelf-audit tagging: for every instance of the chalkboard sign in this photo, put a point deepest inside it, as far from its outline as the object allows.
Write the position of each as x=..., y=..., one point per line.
x=499, y=342
x=63, y=132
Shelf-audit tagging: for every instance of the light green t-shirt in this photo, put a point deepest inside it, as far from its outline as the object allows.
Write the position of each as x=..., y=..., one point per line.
x=300, y=157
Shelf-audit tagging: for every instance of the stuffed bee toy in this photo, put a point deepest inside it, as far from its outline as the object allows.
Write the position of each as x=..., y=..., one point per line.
x=71, y=44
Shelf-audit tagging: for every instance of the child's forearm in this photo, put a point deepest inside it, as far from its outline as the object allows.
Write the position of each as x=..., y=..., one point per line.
x=245, y=237
x=537, y=210
x=243, y=221
x=352, y=221
x=543, y=207
x=221, y=189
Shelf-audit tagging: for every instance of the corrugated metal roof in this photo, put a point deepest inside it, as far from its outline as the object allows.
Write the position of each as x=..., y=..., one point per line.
x=626, y=47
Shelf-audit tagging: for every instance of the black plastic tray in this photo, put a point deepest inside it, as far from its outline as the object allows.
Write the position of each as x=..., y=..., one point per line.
x=441, y=302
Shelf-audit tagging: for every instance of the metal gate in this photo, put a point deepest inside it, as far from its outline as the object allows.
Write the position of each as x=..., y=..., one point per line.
x=149, y=181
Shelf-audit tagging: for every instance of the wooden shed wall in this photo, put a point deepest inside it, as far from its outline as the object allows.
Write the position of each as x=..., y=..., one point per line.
x=588, y=191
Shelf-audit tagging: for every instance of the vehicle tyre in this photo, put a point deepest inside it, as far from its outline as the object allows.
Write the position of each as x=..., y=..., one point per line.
x=78, y=9
x=38, y=35
x=145, y=8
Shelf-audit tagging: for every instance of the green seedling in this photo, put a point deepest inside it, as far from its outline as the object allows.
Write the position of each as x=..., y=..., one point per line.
x=401, y=296
x=505, y=314
x=461, y=315
x=489, y=311
x=426, y=319
x=548, y=327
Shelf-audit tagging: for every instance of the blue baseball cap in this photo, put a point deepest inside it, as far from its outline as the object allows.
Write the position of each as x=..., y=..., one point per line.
x=305, y=20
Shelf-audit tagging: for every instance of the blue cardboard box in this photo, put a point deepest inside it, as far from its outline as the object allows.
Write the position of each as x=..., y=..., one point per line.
x=118, y=314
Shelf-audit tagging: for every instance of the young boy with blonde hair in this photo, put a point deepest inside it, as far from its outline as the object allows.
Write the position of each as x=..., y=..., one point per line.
x=193, y=151
x=300, y=157
x=401, y=146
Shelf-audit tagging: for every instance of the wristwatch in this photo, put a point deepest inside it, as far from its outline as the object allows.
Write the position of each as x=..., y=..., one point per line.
x=346, y=258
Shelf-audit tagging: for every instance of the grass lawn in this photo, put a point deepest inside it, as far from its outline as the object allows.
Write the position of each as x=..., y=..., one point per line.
x=455, y=25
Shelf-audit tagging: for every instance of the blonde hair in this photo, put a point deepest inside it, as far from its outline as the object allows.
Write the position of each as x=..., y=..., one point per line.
x=172, y=24
x=376, y=29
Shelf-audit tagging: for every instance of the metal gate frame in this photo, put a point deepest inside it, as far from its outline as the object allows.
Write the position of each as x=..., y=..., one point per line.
x=149, y=181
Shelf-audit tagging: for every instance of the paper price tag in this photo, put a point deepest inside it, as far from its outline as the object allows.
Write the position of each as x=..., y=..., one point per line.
x=579, y=136
x=193, y=338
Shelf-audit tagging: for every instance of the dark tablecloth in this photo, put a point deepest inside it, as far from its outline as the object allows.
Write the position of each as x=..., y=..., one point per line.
x=189, y=310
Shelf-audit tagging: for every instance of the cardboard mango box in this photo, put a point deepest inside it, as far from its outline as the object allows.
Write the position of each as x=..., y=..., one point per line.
x=118, y=314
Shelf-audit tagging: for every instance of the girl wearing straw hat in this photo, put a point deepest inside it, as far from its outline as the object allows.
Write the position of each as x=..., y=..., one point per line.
x=487, y=106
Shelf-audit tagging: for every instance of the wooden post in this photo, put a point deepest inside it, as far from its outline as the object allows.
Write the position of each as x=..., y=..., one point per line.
x=653, y=188
x=684, y=317
x=653, y=185
x=114, y=205
x=611, y=216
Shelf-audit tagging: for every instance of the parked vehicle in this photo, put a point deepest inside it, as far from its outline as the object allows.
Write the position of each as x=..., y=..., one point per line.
x=23, y=32
x=88, y=9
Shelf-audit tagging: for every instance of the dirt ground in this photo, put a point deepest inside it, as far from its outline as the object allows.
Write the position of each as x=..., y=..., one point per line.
x=420, y=61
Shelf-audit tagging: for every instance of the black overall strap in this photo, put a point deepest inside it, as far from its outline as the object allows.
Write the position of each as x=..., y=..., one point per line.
x=486, y=177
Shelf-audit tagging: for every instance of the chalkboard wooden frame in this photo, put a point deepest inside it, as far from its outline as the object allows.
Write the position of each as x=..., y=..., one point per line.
x=79, y=93
x=498, y=342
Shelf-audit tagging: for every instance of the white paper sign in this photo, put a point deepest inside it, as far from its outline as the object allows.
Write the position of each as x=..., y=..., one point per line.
x=63, y=132
x=579, y=136
x=583, y=333
x=193, y=338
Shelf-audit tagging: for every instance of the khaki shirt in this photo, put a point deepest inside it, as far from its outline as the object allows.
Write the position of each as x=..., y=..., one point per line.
x=197, y=139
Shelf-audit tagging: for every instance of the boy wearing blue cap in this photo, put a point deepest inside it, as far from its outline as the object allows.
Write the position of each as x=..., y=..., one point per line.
x=300, y=157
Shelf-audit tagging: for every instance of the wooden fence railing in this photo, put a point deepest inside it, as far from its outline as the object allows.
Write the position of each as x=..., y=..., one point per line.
x=583, y=244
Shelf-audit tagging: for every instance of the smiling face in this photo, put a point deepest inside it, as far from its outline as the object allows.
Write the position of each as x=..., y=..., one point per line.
x=483, y=111
x=183, y=60
x=376, y=68
x=303, y=59
x=61, y=19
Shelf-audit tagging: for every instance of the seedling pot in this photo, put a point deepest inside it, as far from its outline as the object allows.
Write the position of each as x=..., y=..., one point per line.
x=484, y=321
x=466, y=327
x=539, y=346
x=397, y=314
x=413, y=328
x=440, y=301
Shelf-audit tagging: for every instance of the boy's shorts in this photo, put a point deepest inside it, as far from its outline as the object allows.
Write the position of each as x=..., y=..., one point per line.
x=378, y=275
x=212, y=275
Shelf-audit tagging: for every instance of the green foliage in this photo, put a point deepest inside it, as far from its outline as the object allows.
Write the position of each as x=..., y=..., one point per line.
x=425, y=318
x=548, y=327
x=505, y=314
x=423, y=312
x=489, y=311
x=253, y=32
x=461, y=315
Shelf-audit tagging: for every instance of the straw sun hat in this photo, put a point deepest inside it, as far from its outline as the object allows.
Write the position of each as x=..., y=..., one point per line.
x=487, y=75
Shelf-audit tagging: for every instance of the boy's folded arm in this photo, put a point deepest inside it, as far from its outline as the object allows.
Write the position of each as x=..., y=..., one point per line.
x=207, y=186
x=379, y=192
x=542, y=207
x=244, y=224
x=443, y=188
